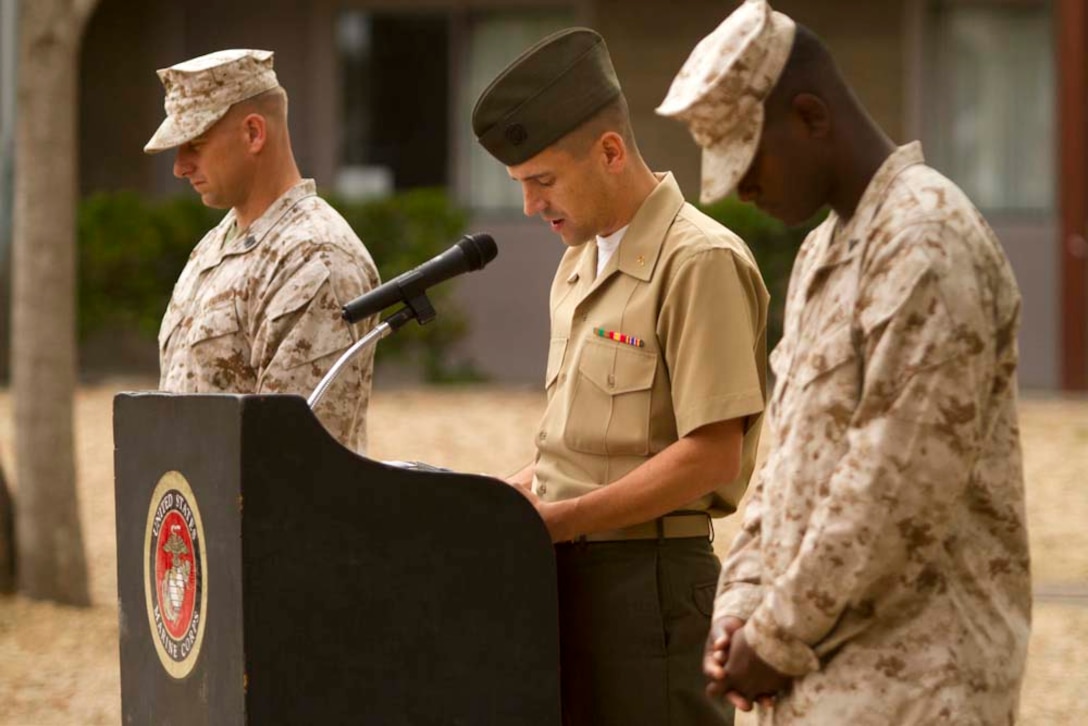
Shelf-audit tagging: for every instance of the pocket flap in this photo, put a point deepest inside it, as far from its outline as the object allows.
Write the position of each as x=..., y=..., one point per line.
x=834, y=350
x=297, y=292
x=616, y=368
x=214, y=322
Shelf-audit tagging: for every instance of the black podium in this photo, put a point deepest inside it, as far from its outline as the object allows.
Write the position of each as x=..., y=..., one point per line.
x=267, y=575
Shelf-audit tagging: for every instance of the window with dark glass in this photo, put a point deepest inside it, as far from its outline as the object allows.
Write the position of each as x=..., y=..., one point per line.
x=410, y=81
x=395, y=131
x=989, y=118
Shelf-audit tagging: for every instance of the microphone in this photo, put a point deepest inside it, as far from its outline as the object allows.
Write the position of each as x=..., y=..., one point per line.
x=472, y=252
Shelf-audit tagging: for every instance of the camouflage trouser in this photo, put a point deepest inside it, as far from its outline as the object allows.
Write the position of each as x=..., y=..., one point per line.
x=633, y=620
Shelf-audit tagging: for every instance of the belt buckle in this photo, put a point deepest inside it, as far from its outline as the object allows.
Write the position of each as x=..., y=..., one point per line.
x=709, y=523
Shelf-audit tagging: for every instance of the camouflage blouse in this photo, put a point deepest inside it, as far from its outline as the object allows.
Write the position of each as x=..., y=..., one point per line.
x=259, y=311
x=883, y=560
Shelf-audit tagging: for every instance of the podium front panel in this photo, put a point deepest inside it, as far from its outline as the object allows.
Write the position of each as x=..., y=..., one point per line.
x=338, y=589
x=198, y=439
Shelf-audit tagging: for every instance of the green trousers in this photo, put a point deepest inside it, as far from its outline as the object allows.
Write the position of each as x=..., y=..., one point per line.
x=633, y=620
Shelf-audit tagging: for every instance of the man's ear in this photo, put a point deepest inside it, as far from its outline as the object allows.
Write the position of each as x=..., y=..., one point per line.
x=256, y=132
x=613, y=150
x=814, y=115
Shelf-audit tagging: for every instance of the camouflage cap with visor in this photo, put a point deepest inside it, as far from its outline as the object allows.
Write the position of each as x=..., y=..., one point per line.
x=720, y=90
x=200, y=91
x=545, y=93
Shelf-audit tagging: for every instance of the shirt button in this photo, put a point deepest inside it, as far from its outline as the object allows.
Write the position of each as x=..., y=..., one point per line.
x=562, y=377
x=542, y=489
x=542, y=436
x=611, y=381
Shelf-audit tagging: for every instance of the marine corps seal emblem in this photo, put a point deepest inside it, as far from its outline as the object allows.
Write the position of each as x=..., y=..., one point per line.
x=175, y=574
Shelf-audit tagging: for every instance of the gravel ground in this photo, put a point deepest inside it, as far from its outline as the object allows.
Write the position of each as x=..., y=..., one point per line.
x=59, y=665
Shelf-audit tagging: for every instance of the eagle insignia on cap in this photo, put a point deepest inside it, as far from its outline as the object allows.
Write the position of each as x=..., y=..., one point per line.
x=516, y=134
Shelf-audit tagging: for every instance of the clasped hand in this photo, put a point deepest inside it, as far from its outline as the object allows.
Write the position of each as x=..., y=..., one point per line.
x=734, y=669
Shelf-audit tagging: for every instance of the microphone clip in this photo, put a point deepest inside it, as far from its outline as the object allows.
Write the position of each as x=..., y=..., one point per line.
x=418, y=307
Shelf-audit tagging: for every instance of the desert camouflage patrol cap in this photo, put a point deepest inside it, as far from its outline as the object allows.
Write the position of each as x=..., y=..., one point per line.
x=200, y=91
x=544, y=94
x=720, y=90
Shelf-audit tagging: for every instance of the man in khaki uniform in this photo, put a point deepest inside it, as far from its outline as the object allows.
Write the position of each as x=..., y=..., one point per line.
x=655, y=383
x=882, y=573
x=257, y=308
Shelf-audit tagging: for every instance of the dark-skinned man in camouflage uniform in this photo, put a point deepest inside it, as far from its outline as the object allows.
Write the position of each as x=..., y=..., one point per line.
x=882, y=572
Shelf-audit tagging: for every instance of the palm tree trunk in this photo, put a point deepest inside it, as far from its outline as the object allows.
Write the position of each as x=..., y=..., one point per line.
x=51, y=562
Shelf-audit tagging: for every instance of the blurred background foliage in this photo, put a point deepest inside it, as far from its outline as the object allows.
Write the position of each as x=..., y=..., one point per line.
x=402, y=231
x=132, y=249
x=774, y=246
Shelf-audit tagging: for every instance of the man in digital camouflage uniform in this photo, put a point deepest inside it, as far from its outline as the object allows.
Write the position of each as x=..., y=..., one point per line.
x=655, y=382
x=882, y=572
x=257, y=308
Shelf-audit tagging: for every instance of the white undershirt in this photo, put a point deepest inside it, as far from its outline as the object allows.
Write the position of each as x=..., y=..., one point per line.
x=606, y=247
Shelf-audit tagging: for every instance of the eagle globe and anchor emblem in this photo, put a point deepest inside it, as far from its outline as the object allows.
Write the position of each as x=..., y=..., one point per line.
x=176, y=580
x=175, y=574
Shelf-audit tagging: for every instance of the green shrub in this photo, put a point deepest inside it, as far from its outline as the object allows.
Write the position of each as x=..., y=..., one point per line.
x=130, y=253
x=774, y=246
x=402, y=232
x=132, y=250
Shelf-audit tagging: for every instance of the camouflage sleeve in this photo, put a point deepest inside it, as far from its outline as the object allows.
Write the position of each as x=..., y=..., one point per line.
x=910, y=445
x=301, y=335
x=740, y=586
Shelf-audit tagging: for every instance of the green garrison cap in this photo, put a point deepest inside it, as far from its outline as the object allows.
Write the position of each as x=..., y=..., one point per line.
x=547, y=92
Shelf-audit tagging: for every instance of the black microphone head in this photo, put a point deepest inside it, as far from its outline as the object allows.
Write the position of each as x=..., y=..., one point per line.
x=479, y=249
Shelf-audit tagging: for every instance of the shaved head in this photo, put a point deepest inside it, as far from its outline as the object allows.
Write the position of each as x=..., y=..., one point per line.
x=272, y=104
x=809, y=69
x=818, y=145
x=614, y=117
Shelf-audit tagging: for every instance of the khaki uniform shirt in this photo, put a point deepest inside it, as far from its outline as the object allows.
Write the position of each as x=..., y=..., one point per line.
x=689, y=291
x=259, y=311
x=883, y=559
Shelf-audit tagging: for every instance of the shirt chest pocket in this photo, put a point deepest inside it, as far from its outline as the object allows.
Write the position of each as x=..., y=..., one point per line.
x=303, y=322
x=609, y=411
x=827, y=375
x=214, y=324
x=216, y=353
